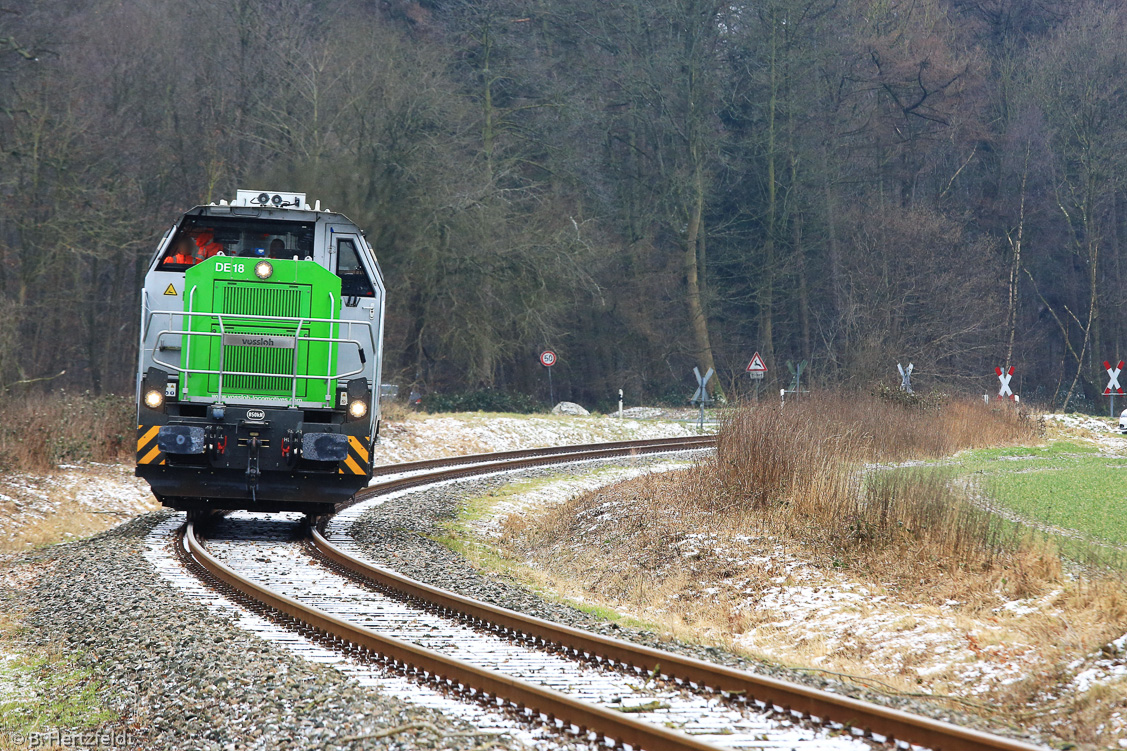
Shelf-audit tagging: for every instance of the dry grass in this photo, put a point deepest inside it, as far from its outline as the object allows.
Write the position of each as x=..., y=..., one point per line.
x=66, y=504
x=793, y=543
x=804, y=471
x=43, y=497
x=69, y=524
x=39, y=432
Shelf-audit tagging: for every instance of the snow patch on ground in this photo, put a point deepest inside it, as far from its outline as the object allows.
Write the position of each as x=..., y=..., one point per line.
x=73, y=501
x=559, y=491
x=15, y=682
x=81, y=499
x=792, y=604
x=1097, y=430
x=434, y=436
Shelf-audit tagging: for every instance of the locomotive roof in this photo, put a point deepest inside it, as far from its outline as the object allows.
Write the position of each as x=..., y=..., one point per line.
x=266, y=204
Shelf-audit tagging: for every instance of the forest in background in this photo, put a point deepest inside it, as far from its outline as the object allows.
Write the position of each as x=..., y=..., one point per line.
x=642, y=187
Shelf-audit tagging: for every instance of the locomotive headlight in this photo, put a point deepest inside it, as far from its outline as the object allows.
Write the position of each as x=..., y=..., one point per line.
x=154, y=399
x=263, y=269
x=357, y=408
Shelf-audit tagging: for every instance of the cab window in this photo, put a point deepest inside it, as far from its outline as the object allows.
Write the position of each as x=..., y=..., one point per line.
x=201, y=237
x=354, y=281
x=188, y=249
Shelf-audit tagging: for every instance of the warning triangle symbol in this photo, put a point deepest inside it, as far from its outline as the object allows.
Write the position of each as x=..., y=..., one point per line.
x=756, y=364
x=171, y=290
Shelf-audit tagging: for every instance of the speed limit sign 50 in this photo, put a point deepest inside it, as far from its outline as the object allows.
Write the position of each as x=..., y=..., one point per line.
x=547, y=358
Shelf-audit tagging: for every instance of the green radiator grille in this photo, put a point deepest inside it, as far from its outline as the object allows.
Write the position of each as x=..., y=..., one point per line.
x=261, y=300
x=258, y=360
x=229, y=290
x=266, y=300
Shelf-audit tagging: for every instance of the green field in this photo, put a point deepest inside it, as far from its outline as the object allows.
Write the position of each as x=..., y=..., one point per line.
x=1065, y=484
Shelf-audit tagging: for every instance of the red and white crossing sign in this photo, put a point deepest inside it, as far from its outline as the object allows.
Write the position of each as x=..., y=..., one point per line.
x=756, y=368
x=1113, y=386
x=1005, y=379
x=547, y=358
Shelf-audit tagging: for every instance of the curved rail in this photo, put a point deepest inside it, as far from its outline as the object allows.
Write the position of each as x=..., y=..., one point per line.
x=792, y=697
x=873, y=718
x=645, y=444
x=454, y=467
x=543, y=701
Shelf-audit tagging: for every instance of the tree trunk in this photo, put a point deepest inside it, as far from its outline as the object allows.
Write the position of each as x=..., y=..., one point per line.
x=1015, y=266
x=697, y=319
x=767, y=273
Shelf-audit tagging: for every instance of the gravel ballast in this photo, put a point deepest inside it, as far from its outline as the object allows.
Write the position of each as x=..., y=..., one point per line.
x=182, y=676
x=398, y=534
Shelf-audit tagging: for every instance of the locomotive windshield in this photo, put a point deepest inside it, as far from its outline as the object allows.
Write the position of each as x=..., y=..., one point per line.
x=200, y=237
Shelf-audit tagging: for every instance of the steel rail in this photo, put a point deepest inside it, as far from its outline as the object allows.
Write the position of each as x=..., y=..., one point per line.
x=542, y=701
x=874, y=718
x=682, y=442
x=455, y=467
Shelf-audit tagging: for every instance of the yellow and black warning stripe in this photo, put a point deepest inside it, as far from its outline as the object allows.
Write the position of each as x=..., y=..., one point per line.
x=356, y=463
x=148, y=452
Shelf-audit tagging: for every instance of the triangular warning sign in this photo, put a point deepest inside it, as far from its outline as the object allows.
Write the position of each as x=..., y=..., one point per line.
x=756, y=365
x=170, y=291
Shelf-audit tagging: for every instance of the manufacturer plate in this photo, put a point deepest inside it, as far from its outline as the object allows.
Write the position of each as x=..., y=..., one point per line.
x=258, y=340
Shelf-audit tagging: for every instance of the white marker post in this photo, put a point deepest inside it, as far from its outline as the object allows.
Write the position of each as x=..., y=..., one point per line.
x=1113, y=386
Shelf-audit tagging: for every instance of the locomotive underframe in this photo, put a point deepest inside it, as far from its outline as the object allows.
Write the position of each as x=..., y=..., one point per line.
x=255, y=462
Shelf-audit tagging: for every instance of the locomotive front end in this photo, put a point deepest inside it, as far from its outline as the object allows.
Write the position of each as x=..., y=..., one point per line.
x=256, y=390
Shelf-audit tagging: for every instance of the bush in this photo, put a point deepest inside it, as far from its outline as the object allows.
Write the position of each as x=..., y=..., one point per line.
x=810, y=470
x=485, y=400
x=932, y=400
x=39, y=432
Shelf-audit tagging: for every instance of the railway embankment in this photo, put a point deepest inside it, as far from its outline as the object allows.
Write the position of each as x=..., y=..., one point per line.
x=92, y=618
x=1006, y=617
x=430, y=535
x=96, y=647
x=163, y=672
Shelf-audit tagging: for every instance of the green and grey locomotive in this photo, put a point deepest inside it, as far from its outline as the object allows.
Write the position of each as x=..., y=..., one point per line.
x=260, y=356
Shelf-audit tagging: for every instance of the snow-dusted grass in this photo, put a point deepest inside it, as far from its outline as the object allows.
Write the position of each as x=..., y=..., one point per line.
x=1013, y=632
x=80, y=498
x=421, y=436
x=73, y=501
x=40, y=688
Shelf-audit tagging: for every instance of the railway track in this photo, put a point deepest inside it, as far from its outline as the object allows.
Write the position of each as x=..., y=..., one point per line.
x=517, y=661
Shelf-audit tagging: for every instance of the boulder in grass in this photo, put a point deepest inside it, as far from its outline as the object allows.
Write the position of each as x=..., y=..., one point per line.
x=569, y=408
